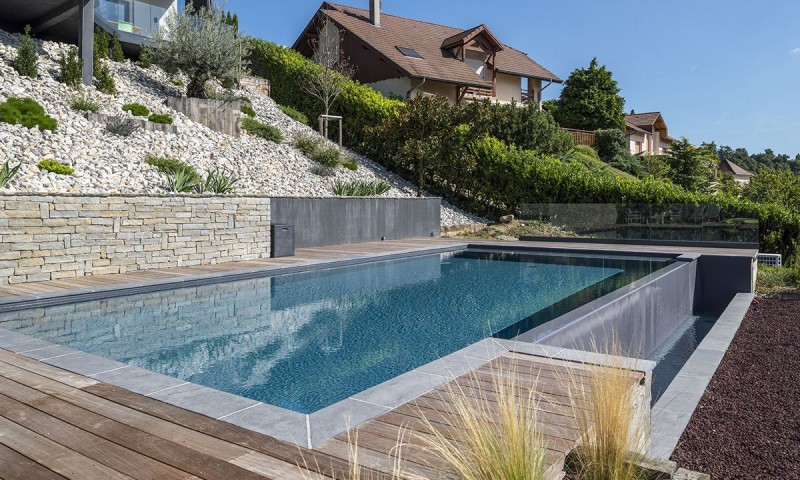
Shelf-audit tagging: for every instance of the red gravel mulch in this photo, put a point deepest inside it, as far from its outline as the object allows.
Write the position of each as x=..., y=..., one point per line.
x=748, y=423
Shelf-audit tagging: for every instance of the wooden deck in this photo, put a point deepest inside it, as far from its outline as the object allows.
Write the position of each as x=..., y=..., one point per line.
x=56, y=424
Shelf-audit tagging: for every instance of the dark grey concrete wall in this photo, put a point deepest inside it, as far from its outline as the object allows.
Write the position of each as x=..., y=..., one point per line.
x=337, y=221
x=720, y=278
x=641, y=316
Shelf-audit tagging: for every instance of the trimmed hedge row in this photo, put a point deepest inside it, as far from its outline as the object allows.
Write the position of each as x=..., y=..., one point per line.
x=359, y=105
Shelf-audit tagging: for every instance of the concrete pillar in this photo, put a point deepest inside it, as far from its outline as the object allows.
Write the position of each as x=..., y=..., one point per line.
x=86, y=38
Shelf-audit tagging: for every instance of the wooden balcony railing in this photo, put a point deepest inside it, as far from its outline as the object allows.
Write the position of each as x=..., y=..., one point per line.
x=582, y=137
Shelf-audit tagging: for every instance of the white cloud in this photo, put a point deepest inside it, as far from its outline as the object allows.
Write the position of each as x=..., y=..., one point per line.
x=795, y=51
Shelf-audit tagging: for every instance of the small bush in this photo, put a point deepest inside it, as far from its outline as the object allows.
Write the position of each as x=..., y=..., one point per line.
x=611, y=144
x=27, y=61
x=294, y=114
x=350, y=165
x=71, y=67
x=51, y=165
x=218, y=181
x=361, y=188
x=136, y=109
x=117, y=54
x=183, y=180
x=85, y=103
x=322, y=170
x=167, y=165
x=162, y=118
x=7, y=172
x=308, y=144
x=248, y=111
x=177, y=82
x=102, y=41
x=258, y=129
x=104, y=81
x=122, y=125
x=328, y=155
x=146, y=58
x=26, y=112
x=245, y=99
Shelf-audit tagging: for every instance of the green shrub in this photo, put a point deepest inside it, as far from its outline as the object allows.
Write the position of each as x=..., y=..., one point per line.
x=146, y=57
x=102, y=43
x=294, y=114
x=104, y=81
x=350, y=165
x=55, y=167
x=85, y=103
x=610, y=144
x=162, y=118
x=308, y=143
x=136, y=109
x=248, y=111
x=26, y=112
x=258, y=129
x=245, y=99
x=122, y=126
x=218, y=181
x=7, y=172
x=116, y=53
x=168, y=165
x=778, y=280
x=70, y=72
x=322, y=170
x=361, y=188
x=360, y=105
x=27, y=61
x=177, y=82
x=328, y=155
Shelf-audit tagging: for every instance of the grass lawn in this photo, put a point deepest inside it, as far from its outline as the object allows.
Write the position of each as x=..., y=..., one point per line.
x=778, y=280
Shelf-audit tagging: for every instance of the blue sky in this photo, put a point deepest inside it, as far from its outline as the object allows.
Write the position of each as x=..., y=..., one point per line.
x=719, y=70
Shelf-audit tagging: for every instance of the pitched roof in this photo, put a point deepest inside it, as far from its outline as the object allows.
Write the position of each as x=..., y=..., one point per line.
x=467, y=36
x=642, y=120
x=631, y=126
x=427, y=40
x=732, y=168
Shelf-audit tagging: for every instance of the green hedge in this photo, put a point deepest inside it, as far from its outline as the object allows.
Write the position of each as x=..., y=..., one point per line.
x=359, y=105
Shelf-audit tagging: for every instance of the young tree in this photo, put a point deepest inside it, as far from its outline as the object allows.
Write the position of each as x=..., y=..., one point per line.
x=116, y=50
x=779, y=186
x=27, y=61
x=689, y=165
x=590, y=100
x=329, y=80
x=201, y=46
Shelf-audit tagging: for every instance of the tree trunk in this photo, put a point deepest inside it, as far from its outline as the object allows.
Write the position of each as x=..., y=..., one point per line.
x=196, y=88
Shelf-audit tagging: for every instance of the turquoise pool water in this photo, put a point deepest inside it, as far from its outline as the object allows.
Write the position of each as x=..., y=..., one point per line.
x=305, y=341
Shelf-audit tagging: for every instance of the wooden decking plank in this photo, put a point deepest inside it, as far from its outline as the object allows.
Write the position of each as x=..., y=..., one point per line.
x=45, y=372
x=14, y=466
x=53, y=456
x=376, y=461
x=87, y=444
x=289, y=453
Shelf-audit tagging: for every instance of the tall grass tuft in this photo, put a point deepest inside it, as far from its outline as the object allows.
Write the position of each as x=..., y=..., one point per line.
x=360, y=188
x=497, y=439
x=613, y=433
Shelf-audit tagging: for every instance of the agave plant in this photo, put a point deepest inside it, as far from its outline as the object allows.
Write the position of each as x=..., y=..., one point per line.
x=182, y=180
x=218, y=181
x=122, y=125
x=7, y=172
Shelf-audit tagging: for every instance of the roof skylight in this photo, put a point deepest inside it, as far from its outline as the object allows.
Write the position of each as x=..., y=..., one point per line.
x=409, y=52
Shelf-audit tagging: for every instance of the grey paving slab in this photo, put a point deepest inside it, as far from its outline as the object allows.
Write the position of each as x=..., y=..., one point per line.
x=400, y=389
x=341, y=417
x=486, y=349
x=44, y=353
x=138, y=380
x=9, y=339
x=451, y=366
x=203, y=400
x=273, y=421
x=84, y=363
x=32, y=346
x=669, y=423
x=530, y=348
x=679, y=401
x=662, y=446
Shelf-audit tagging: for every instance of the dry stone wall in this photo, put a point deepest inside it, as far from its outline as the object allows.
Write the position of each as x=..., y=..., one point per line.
x=50, y=237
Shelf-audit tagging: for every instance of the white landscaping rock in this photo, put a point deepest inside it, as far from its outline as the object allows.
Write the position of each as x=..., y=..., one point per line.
x=106, y=164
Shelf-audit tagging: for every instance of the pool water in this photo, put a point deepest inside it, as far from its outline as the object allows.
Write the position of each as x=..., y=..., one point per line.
x=305, y=341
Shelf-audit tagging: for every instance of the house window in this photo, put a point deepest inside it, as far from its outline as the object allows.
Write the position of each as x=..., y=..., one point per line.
x=637, y=147
x=409, y=52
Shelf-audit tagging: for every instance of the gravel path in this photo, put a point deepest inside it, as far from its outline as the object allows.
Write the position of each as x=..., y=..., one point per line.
x=747, y=425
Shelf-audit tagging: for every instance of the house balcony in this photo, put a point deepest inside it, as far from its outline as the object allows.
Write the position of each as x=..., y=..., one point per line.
x=134, y=21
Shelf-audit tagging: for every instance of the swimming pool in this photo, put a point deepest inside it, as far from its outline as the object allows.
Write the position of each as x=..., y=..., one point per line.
x=305, y=341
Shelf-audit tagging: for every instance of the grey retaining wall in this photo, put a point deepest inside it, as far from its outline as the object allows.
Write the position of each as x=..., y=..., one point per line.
x=335, y=221
x=49, y=237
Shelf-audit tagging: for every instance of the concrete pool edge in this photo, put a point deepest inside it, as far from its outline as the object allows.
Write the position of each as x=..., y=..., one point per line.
x=671, y=414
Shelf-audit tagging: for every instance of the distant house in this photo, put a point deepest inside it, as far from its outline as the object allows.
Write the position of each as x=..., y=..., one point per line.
x=403, y=57
x=74, y=21
x=739, y=174
x=647, y=134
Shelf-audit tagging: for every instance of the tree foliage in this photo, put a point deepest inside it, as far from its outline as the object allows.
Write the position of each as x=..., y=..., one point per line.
x=590, y=100
x=27, y=61
x=756, y=162
x=690, y=166
x=201, y=46
x=71, y=68
x=779, y=186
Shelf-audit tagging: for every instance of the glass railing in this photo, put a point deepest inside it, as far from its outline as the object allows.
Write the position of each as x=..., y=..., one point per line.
x=132, y=16
x=672, y=223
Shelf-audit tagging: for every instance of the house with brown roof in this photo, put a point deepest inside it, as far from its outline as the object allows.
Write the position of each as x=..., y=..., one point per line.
x=739, y=174
x=403, y=57
x=647, y=134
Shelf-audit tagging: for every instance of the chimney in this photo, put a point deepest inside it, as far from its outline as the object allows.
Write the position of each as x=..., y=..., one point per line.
x=375, y=12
